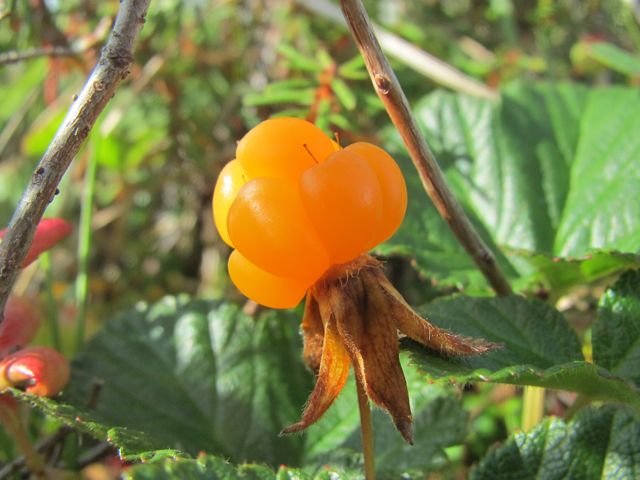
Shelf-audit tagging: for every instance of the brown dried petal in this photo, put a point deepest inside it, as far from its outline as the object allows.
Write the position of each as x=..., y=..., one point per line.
x=332, y=375
x=420, y=330
x=370, y=336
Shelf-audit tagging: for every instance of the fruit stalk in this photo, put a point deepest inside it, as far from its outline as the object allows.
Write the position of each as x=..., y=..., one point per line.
x=390, y=92
x=366, y=430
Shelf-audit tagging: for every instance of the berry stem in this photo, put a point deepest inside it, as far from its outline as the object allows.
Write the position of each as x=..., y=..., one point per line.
x=366, y=429
x=390, y=92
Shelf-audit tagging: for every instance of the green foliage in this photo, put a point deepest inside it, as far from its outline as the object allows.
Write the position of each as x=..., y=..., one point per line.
x=548, y=176
x=616, y=333
x=538, y=348
x=336, y=438
x=212, y=468
x=597, y=443
x=186, y=373
x=181, y=377
x=615, y=58
x=547, y=170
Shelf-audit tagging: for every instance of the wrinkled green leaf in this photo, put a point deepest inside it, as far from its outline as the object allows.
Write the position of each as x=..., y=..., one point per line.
x=131, y=442
x=196, y=376
x=206, y=467
x=599, y=210
x=548, y=170
x=616, y=332
x=538, y=348
x=599, y=443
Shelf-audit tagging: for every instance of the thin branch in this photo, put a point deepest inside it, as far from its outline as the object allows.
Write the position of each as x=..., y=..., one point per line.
x=422, y=62
x=19, y=463
x=388, y=89
x=111, y=69
x=76, y=48
x=7, y=58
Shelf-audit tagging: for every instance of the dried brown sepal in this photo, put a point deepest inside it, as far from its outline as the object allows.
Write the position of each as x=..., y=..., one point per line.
x=332, y=375
x=312, y=333
x=419, y=329
x=371, y=339
x=355, y=314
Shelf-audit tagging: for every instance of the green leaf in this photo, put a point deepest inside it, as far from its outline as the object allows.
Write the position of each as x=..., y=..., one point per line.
x=560, y=274
x=41, y=132
x=21, y=83
x=616, y=332
x=599, y=443
x=599, y=210
x=324, y=59
x=197, y=376
x=289, y=84
x=299, y=61
x=204, y=467
x=353, y=69
x=207, y=467
x=302, y=96
x=615, y=58
x=548, y=171
x=539, y=348
x=132, y=444
x=344, y=94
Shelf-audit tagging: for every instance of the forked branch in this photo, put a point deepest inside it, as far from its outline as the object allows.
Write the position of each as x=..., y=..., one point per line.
x=111, y=69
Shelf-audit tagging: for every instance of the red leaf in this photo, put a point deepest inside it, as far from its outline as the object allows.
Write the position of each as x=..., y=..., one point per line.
x=21, y=321
x=42, y=371
x=49, y=232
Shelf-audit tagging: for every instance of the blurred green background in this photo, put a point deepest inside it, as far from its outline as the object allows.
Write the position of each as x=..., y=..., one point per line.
x=205, y=72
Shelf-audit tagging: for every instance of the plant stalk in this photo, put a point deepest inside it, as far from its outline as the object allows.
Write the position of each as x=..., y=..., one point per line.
x=532, y=406
x=53, y=319
x=366, y=429
x=390, y=92
x=84, y=247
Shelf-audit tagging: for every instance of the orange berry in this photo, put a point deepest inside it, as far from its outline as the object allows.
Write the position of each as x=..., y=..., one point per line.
x=269, y=226
x=392, y=186
x=230, y=180
x=263, y=287
x=343, y=200
x=276, y=148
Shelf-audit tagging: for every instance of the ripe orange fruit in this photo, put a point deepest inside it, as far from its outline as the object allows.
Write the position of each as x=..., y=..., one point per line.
x=292, y=204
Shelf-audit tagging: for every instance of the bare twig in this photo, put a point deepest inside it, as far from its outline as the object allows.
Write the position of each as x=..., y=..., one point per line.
x=51, y=51
x=76, y=48
x=19, y=463
x=422, y=62
x=111, y=69
x=388, y=89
